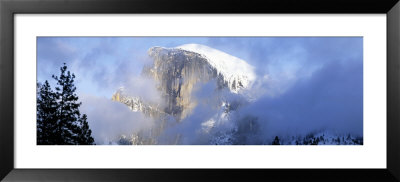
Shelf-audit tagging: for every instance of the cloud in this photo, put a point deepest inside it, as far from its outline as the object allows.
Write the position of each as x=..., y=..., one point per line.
x=284, y=60
x=108, y=119
x=304, y=83
x=98, y=63
x=51, y=54
x=208, y=117
x=55, y=49
x=332, y=99
x=145, y=88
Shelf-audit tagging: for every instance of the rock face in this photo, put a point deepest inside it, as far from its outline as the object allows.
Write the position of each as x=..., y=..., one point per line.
x=177, y=72
x=180, y=72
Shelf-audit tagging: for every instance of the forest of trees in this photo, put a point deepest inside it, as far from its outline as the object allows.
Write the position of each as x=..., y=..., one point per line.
x=59, y=121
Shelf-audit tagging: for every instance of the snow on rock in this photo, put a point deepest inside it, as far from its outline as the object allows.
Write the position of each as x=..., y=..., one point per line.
x=233, y=69
x=136, y=103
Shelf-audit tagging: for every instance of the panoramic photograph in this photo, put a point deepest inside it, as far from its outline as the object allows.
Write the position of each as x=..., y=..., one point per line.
x=199, y=91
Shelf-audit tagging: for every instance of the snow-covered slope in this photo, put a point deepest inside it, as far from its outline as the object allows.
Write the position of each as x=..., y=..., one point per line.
x=230, y=67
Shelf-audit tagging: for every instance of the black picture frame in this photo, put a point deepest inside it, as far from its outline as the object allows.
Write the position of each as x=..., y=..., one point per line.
x=8, y=8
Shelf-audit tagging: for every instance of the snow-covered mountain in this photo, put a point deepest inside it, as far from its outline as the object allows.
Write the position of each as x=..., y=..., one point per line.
x=179, y=70
x=180, y=73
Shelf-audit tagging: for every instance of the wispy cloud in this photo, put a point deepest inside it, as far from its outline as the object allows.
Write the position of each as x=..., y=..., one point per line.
x=303, y=83
x=109, y=120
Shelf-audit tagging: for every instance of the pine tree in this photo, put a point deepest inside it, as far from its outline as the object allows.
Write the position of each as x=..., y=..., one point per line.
x=85, y=134
x=73, y=128
x=68, y=104
x=46, y=114
x=276, y=141
x=67, y=125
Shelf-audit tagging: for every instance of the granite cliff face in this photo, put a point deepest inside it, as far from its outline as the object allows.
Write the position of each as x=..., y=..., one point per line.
x=179, y=70
x=179, y=73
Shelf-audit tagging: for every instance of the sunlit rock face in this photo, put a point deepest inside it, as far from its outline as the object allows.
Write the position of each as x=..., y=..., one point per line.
x=179, y=70
x=180, y=74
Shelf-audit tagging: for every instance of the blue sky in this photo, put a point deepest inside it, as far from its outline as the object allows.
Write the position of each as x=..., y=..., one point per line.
x=299, y=77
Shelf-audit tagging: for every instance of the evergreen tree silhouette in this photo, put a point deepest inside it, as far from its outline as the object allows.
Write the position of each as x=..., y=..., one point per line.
x=85, y=134
x=46, y=114
x=68, y=127
x=276, y=141
x=68, y=112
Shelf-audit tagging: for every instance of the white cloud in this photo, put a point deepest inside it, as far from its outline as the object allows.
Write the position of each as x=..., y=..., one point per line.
x=108, y=119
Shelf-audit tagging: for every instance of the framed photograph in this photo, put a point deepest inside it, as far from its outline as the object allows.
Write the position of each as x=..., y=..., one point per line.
x=130, y=90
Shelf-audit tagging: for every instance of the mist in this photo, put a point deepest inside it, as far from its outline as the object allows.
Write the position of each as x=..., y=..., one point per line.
x=321, y=91
x=109, y=120
x=303, y=85
x=329, y=100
